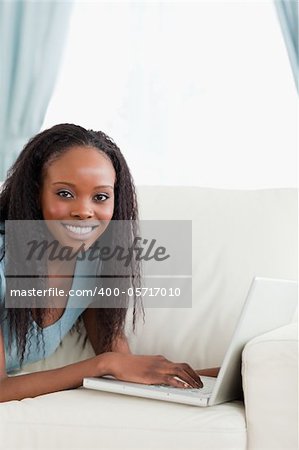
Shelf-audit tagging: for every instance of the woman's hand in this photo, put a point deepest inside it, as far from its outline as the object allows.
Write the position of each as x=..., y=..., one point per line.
x=151, y=370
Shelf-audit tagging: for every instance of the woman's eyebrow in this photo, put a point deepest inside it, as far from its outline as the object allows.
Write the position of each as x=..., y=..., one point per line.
x=73, y=185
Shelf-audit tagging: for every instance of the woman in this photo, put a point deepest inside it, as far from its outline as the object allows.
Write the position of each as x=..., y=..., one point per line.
x=74, y=180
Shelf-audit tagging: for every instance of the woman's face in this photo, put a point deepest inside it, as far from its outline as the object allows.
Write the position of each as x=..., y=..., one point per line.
x=77, y=198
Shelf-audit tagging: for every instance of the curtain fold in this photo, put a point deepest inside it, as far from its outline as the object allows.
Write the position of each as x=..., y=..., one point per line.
x=287, y=11
x=32, y=35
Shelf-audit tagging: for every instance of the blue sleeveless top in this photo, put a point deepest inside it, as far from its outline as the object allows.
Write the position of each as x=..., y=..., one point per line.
x=53, y=334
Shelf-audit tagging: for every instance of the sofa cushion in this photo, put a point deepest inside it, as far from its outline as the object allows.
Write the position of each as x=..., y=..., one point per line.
x=86, y=419
x=270, y=384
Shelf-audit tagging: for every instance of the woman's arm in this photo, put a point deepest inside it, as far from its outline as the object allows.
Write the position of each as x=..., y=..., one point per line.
x=33, y=384
x=212, y=372
x=126, y=367
x=38, y=383
x=123, y=366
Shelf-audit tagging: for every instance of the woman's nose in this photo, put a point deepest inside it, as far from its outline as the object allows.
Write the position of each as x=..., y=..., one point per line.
x=82, y=211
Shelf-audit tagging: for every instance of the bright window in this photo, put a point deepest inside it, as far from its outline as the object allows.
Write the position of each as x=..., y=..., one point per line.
x=194, y=93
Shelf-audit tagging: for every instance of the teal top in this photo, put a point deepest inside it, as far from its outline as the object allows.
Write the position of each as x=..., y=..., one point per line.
x=53, y=334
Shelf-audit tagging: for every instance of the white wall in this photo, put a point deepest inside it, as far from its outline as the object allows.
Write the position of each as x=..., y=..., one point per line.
x=194, y=93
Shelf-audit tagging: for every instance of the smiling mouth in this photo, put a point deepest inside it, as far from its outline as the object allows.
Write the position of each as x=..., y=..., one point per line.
x=80, y=230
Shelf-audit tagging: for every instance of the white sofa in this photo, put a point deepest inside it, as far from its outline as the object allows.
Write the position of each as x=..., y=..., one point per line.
x=237, y=234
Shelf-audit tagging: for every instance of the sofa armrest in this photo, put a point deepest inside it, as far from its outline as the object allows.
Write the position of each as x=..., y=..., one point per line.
x=270, y=385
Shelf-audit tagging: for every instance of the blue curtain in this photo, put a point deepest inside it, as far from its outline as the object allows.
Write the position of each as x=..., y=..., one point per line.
x=287, y=11
x=31, y=42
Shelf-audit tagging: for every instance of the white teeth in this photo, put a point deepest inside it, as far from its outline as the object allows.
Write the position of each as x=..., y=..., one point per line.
x=79, y=230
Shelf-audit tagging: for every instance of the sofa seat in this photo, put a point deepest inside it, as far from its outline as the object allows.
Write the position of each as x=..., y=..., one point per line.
x=73, y=419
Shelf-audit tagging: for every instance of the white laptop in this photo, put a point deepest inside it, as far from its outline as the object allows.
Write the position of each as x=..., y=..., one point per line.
x=270, y=303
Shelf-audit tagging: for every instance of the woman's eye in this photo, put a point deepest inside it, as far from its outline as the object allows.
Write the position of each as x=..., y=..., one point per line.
x=64, y=194
x=101, y=197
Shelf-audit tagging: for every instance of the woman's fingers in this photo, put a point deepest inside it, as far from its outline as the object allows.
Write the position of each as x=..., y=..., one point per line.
x=194, y=383
x=186, y=378
x=192, y=373
x=183, y=375
x=177, y=382
x=187, y=374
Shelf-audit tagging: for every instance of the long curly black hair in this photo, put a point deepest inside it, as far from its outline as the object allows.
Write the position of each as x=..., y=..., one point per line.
x=19, y=200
